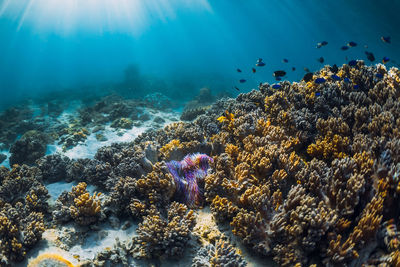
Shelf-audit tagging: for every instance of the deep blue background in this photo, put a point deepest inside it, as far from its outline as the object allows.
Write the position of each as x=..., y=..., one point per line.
x=184, y=48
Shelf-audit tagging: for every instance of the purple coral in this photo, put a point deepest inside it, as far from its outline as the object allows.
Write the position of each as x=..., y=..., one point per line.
x=187, y=173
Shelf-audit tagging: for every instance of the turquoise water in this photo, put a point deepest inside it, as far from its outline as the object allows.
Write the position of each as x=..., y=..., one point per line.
x=178, y=47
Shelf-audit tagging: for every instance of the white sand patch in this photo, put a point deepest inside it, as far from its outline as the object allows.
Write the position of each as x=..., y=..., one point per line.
x=98, y=241
x=89, y=147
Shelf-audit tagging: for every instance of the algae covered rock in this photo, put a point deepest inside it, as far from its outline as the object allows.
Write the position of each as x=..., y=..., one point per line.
x=122, y=123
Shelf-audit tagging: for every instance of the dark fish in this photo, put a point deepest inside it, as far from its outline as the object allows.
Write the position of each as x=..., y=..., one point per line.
x=278, y=78
x=238, y=70
x=293, y=68
x=260, y=64
x=386, y=39
x=253, y=70
x=308, y=77
x=321, y=60
x=351, y=44
x=242, y=81
x=321, y=44
x=356, y=86
x=385, y=60
x=276, y=86
x=319, y=80
x=379, y=75
x=279, y=73
x=237, y=89
x=370, y=56
x=335, y=77
x=353, y=63
x=334, y=68
x=347, y=80
x=259, y=60
x=285, y=60
x=306, y=69
x=317, y=93
x=344, y=48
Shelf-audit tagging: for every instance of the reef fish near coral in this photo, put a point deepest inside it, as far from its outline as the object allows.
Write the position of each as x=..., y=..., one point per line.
x=187, y=173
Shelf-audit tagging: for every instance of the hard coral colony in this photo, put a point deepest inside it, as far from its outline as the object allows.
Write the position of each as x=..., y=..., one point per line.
x=298, y=177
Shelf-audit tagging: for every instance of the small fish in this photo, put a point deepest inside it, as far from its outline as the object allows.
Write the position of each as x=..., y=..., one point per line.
x=379, y=75
x=279, y=73
x=347, y=80
x=238, y=70
x=366, y=46
x=353, y=63
x=242, y=81
x=335, y=77
x=351, y=44
x=334, y=68
x=344, y=48
x=370, y=56
x=386, y=39
x=317, y=93
x=276, y=86
x=259, y=60
x=237, y=89
x=385, y=60
x=321, y=60
x=356, y=86
x=319, y=80
x=306, y=69
x=308, y=77
x=278, y=78
x=285, y=60
x=253, y=70
x=260, y=64
x=321, y=44
x=293, y=68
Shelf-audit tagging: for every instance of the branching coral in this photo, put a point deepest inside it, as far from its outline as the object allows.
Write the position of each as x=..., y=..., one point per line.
x=222, y=253
x=158, y=236
x=78, y=205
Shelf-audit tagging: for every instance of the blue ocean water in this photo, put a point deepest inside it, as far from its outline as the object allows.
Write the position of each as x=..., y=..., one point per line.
x=179, y=46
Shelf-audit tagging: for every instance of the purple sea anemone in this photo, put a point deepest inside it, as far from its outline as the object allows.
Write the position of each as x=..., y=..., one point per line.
x=187, y=173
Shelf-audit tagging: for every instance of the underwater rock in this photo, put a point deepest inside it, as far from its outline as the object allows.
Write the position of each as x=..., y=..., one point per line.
x=122, y=123
x=158, y=101
x=29, y=148
x=3, y=157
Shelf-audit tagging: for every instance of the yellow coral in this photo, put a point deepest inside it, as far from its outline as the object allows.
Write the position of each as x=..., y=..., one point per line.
x=229, y=117
x=50, y=259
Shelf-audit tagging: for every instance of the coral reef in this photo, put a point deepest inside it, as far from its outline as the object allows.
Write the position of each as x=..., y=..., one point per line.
x=307, y=174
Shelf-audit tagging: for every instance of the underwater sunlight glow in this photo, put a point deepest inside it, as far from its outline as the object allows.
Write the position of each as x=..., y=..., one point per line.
x=66, y=17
